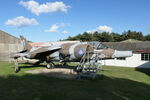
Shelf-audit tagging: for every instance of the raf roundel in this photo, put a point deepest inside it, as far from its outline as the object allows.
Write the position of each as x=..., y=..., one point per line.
x=81, y=52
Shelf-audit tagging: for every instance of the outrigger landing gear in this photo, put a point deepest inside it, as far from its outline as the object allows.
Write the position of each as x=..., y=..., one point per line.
x=16, y=66
x=17, y=69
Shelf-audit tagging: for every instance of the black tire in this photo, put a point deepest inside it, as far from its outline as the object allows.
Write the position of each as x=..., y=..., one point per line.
x=17, y=69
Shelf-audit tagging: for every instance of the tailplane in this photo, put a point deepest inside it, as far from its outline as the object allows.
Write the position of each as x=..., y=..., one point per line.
x=25, y=45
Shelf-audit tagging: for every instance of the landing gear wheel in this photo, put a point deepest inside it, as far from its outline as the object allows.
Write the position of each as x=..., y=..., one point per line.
x=17, y=69
x=50, y=65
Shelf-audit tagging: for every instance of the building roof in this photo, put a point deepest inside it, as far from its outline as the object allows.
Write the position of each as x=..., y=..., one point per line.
x=133, y=46
x=7, y=38
x=8, y=34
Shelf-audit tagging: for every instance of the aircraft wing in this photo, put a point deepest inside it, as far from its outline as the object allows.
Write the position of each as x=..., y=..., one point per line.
x=43, y=52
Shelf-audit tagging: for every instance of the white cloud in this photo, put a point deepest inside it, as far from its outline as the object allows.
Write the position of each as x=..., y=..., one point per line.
x=101, y=29
x=55, y=27
x=21, y=22
x=65, y=32
x=48, y=7
x=104, y=29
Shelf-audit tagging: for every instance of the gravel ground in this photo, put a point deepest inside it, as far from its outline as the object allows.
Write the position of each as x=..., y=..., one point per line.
x=56, y=72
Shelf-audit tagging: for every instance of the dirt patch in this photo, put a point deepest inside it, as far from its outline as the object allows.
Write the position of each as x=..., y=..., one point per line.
x=56, y=72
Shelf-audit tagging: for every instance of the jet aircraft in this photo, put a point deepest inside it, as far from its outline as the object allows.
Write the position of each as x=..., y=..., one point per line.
x=83, y=52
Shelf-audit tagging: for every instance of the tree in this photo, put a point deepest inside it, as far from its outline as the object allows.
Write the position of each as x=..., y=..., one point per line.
x=133, y=35
x=116, y=37
x=107, y=37
x=86, y=37
x=110, y=37
x=147, y=37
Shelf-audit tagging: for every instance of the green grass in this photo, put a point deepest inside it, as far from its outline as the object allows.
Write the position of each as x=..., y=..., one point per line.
x=118, y=83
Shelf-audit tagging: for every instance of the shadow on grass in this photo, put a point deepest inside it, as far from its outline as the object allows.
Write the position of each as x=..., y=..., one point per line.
x=66, y=66
x=143, y=70
x=36, y=87
x=28, y=65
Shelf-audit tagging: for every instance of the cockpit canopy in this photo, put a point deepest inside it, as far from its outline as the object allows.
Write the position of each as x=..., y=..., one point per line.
x=97, y=45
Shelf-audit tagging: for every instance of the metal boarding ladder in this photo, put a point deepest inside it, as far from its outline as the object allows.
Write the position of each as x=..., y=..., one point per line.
x=88, y=66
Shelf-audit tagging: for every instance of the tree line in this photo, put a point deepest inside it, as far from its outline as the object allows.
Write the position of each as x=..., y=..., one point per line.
x=110, y=37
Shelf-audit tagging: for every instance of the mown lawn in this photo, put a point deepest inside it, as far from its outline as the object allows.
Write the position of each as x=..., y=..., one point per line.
x=118, y=83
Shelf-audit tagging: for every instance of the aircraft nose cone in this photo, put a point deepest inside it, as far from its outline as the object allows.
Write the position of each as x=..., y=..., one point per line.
x=118, y=54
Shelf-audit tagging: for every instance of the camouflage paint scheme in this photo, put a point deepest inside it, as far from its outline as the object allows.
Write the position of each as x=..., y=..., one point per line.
x=68, y=52
x=107, y=53
x=73, y=51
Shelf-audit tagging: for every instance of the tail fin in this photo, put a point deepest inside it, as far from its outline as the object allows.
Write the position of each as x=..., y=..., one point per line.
x=26, y=46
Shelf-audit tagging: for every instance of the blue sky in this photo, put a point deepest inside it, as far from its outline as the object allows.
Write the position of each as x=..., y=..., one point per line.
x=52, y=20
